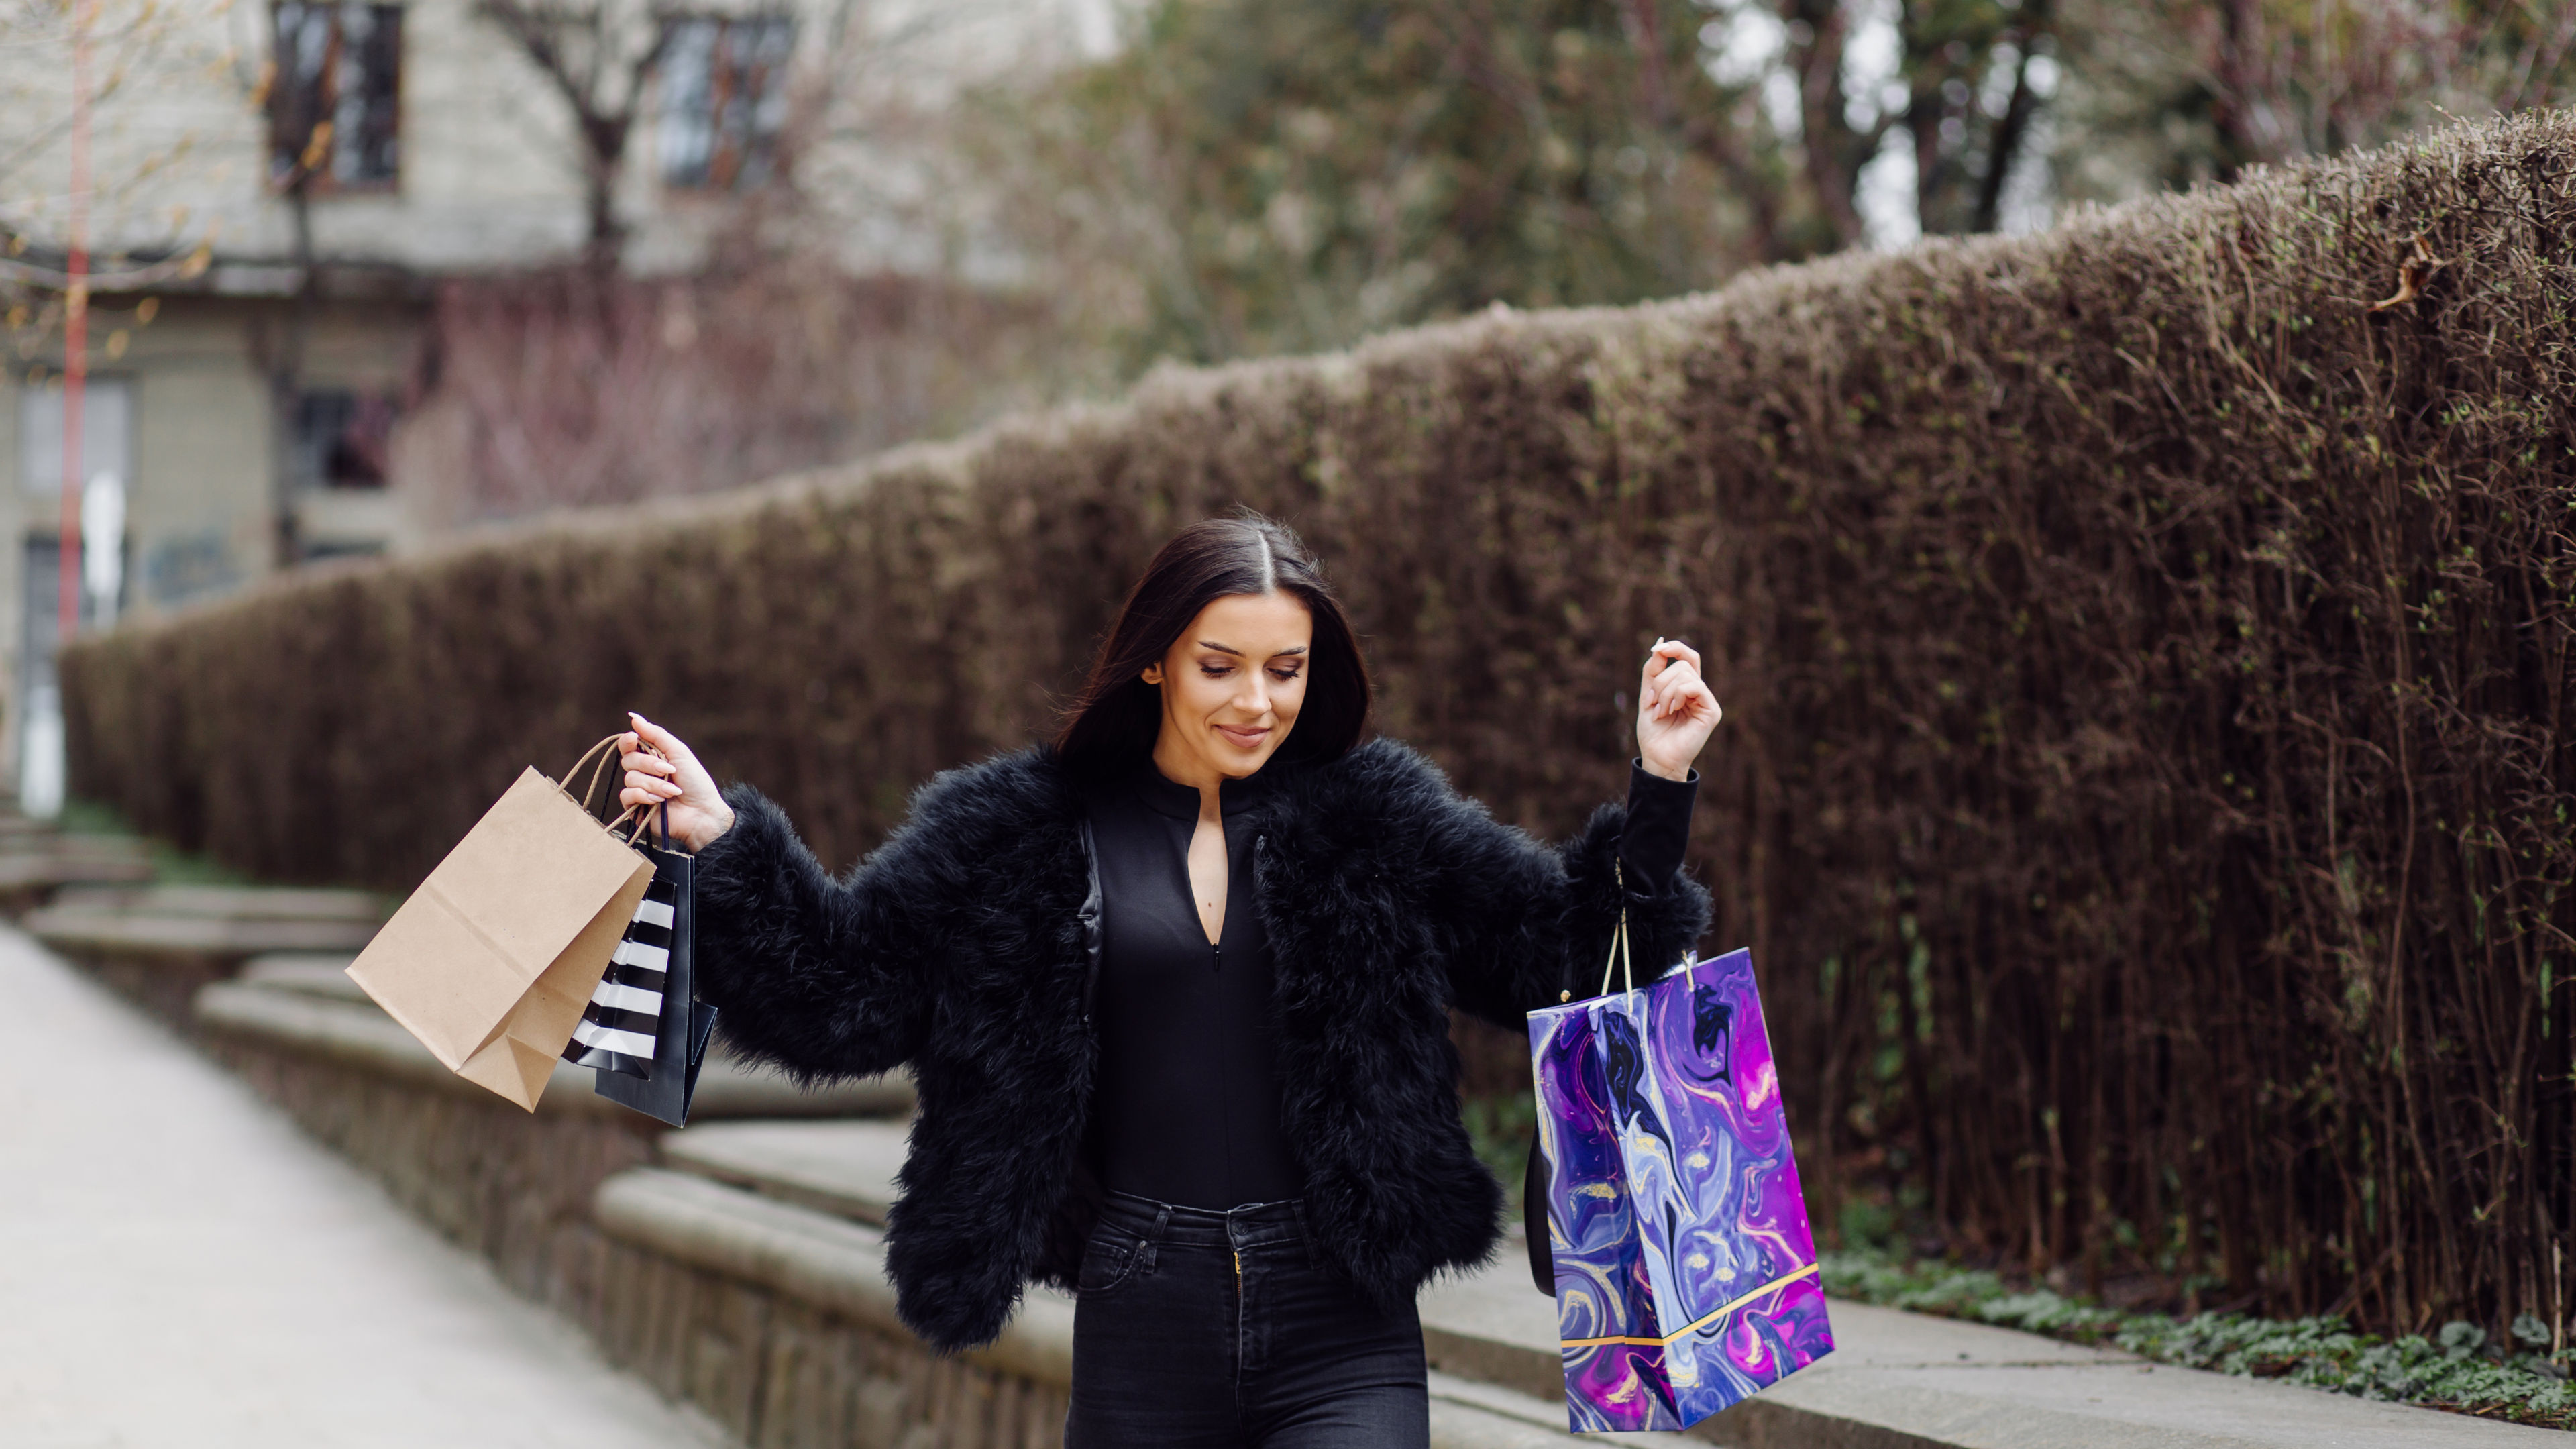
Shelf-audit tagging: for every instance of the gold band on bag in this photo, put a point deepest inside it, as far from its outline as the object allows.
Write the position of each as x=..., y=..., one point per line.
x=1783, y=1281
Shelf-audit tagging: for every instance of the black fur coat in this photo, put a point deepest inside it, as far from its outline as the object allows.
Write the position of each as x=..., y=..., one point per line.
x=962, y=946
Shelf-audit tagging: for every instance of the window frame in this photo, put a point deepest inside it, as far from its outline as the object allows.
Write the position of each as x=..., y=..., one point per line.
x=328, y=103
x=311, y=448
x=735, y=159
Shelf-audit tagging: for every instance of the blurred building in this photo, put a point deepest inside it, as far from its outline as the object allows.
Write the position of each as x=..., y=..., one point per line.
x=279, y=189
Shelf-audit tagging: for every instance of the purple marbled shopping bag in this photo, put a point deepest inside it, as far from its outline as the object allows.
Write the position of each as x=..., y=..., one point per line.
x=1685, y=1273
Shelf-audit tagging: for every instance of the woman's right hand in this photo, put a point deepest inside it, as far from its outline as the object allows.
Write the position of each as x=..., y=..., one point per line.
x=660, y=771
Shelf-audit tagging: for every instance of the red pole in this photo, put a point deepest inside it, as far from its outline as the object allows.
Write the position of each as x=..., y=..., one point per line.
x=75, y=328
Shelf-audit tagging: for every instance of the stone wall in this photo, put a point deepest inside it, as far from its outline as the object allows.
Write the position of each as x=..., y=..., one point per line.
x=779, y=1374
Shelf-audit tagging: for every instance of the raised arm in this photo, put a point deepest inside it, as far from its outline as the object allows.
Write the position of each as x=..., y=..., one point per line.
x=1531, y=924
x=818, y=975
x=1527, y=921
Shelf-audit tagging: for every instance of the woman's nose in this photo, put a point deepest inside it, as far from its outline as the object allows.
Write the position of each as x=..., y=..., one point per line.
x=1255, y=698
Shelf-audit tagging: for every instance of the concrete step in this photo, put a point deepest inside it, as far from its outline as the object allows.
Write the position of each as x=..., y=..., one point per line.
x=822, y=1261
x=301, y=1017
x=128, y=933
x=31, y=877
x=233, y=903
x=135, y=933
x=1913, y=1380
x=306, y=973
x=79, y=847
x=843, y=1168
x=1894, y=1378
x=158, y=945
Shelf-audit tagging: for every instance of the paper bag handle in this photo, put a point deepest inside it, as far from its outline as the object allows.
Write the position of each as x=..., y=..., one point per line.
x=597, y=770
x=642, y=817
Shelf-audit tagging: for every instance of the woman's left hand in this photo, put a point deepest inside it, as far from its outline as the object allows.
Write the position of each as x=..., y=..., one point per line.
x=1675, y=710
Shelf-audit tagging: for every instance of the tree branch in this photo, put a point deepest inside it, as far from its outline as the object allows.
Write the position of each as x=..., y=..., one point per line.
x=2003, y=144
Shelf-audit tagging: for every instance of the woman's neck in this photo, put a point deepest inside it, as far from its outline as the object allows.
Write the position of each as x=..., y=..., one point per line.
x=1181, y=767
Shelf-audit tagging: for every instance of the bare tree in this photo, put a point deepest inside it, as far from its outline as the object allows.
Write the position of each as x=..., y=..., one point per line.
x=2204, y=88
x=599, y=56
x=781, y=348
x=134, y=49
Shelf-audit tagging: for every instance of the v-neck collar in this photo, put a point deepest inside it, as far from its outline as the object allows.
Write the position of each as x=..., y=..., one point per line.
x=1167, y=797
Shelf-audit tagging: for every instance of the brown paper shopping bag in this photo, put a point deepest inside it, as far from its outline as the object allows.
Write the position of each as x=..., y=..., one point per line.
x=491, y=960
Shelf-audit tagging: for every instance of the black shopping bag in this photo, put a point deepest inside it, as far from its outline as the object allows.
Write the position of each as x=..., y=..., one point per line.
x=668, y=1079
x=621, y=1025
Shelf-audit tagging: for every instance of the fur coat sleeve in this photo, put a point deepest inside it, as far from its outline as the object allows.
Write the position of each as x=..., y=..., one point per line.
x=1524, y=921
x=828, y=977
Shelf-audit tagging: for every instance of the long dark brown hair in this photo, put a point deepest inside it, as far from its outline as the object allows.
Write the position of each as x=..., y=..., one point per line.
x=1111, y=725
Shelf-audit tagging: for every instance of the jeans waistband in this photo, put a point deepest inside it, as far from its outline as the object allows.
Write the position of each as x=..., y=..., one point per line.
x=1248, y=1226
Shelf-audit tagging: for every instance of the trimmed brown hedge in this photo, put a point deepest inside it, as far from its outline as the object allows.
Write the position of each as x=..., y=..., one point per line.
x=2142, y=788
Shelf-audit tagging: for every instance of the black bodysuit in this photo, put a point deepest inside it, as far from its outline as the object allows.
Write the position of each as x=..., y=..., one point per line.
x=1187, y=1108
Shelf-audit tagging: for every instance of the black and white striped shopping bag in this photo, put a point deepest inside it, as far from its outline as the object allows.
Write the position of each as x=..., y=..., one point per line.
x=618, y=1026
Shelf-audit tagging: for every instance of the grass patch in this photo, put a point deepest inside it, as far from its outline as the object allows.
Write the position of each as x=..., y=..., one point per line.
x=170, y=865
x=2460, y=1368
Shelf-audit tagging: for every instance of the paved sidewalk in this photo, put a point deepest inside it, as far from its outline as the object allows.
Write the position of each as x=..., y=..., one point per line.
x=179, y=1268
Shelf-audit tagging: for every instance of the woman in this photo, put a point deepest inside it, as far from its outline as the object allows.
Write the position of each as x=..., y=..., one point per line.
x=1174, y=990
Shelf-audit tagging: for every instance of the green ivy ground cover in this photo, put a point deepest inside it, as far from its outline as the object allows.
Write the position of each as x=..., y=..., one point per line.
x=2458, y=1369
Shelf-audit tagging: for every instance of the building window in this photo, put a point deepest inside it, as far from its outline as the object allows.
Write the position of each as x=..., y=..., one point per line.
x=724, y=100
x=341, y=439
x=335, y=94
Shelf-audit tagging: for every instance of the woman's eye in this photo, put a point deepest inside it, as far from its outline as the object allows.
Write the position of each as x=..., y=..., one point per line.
x=1215, y=671
x=1284, y=676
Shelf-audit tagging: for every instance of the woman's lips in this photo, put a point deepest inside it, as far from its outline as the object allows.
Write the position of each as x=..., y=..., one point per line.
x=1247, y=738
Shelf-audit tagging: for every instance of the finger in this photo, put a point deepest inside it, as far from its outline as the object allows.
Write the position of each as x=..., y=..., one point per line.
x=665, y=743
x=660, y=738
x=1680, y=681
x=1675, y=649
x=653, y=764
x=645, y=799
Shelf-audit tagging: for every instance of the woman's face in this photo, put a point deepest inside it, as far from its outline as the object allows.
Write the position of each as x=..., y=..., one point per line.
x=1232, y=684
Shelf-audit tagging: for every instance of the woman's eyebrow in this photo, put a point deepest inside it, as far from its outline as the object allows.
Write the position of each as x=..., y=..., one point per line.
x=1237, y=653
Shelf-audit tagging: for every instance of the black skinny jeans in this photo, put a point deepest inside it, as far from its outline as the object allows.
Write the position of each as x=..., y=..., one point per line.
x=1217, y=1330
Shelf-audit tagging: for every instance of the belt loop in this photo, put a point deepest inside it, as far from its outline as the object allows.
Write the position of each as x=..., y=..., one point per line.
x=1305, y=1232
x=1154, y=1235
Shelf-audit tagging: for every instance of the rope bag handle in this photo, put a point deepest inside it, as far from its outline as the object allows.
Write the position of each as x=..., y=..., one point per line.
x=641, y=815
x=1618, y=944
x=1619, y=941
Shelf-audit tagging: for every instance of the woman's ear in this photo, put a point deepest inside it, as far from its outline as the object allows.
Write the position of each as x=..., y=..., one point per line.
x=1153, y=675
